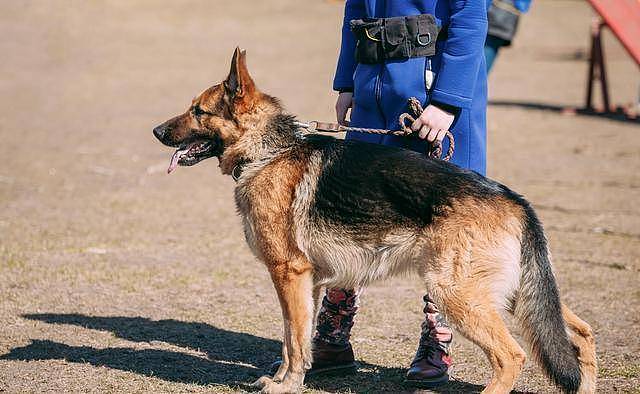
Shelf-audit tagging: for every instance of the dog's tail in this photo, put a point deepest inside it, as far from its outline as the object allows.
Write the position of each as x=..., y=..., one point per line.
x=562, y=344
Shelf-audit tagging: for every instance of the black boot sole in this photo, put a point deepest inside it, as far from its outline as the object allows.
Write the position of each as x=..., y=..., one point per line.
x=334, y=370
x=428, y=383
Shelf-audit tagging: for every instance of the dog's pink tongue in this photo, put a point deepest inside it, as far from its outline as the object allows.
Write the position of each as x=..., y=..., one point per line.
x=174, y=159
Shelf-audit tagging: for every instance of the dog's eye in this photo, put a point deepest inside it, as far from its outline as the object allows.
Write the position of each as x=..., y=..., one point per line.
x=197, y=111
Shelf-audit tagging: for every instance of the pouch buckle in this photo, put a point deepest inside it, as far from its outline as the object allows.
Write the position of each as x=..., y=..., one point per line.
x=419, y=38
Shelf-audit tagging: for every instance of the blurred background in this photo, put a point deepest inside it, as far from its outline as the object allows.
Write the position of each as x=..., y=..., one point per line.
x=117, y=277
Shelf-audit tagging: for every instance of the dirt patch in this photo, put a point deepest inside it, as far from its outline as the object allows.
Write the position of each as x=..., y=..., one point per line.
x=115, y=277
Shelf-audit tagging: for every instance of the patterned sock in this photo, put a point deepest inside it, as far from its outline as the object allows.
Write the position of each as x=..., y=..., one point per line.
x=436, y=334
x=335, y=318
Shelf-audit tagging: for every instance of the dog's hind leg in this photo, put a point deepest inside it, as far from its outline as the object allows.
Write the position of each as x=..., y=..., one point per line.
x=294, y=285
x=470, y=309
x=581, y=336
x=462, y=288
x=469, y=305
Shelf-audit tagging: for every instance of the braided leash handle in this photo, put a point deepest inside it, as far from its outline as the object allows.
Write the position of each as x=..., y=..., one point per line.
x=434, y=149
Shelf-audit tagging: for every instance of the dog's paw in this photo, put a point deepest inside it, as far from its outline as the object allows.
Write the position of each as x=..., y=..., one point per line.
x=262, y=382
x=281, y=388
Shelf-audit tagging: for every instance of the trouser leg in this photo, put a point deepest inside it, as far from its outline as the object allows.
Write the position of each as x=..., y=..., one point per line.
x=491, y=48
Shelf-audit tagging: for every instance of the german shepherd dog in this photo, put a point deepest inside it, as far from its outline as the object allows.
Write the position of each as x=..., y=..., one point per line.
x=320, y=211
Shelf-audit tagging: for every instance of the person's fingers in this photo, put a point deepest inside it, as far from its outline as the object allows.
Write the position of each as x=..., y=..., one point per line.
x=424, y=131
x=441, y=135
x=417, y=124
x=433, y=133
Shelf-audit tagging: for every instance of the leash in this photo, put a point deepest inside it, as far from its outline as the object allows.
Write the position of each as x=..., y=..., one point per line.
x=434, y=150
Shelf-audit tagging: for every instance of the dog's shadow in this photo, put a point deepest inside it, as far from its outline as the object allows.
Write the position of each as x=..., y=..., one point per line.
x=221, y=357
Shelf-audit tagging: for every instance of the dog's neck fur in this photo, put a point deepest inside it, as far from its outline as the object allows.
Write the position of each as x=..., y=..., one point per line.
x=266, y=130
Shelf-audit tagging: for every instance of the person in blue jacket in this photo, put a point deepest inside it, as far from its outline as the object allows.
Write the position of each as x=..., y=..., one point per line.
x=451, y=85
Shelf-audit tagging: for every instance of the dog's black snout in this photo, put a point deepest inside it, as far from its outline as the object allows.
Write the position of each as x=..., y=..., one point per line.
x=159, y=132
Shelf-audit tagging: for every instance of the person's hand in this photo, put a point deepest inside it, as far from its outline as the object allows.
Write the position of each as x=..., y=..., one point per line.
x=433, y=123
x=344, y=102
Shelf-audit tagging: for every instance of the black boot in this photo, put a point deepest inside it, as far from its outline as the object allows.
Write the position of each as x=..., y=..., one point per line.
x=431, y=364
x=327, y=358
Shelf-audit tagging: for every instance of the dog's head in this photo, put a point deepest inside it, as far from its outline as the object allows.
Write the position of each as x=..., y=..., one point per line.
x=214, y=121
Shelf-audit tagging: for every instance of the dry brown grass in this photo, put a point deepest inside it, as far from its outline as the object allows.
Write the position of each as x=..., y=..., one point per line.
x=117, y=278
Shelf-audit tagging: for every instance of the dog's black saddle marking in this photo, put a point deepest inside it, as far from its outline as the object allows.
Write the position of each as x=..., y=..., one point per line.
x=373, y=188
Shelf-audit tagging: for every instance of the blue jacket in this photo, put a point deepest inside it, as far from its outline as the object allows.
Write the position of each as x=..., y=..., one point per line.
x=522, y=5
x=381, y=90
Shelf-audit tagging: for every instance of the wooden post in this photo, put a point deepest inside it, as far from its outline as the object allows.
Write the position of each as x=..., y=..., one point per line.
x=597, y=68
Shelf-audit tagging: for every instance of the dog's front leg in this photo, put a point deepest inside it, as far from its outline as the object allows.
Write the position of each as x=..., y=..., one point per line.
x=318, y=291
x=294, y=284
x=282, y=370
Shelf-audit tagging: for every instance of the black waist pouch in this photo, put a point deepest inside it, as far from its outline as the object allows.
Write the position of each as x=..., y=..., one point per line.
x=402, y=37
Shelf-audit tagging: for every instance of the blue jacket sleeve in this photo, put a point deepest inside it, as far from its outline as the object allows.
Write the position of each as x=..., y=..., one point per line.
x=353, y=9
x=462, y=53
x=522, y=5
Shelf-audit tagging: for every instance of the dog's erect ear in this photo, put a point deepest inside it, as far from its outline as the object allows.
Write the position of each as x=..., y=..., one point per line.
x=239, y=82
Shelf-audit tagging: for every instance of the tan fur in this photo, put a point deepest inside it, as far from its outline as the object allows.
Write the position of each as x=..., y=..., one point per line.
x=582, y=338
x=479, y=241
x=472, y=271
x=248, y=147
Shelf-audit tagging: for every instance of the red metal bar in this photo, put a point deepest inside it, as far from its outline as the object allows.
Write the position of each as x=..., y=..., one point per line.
x=623, y=18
